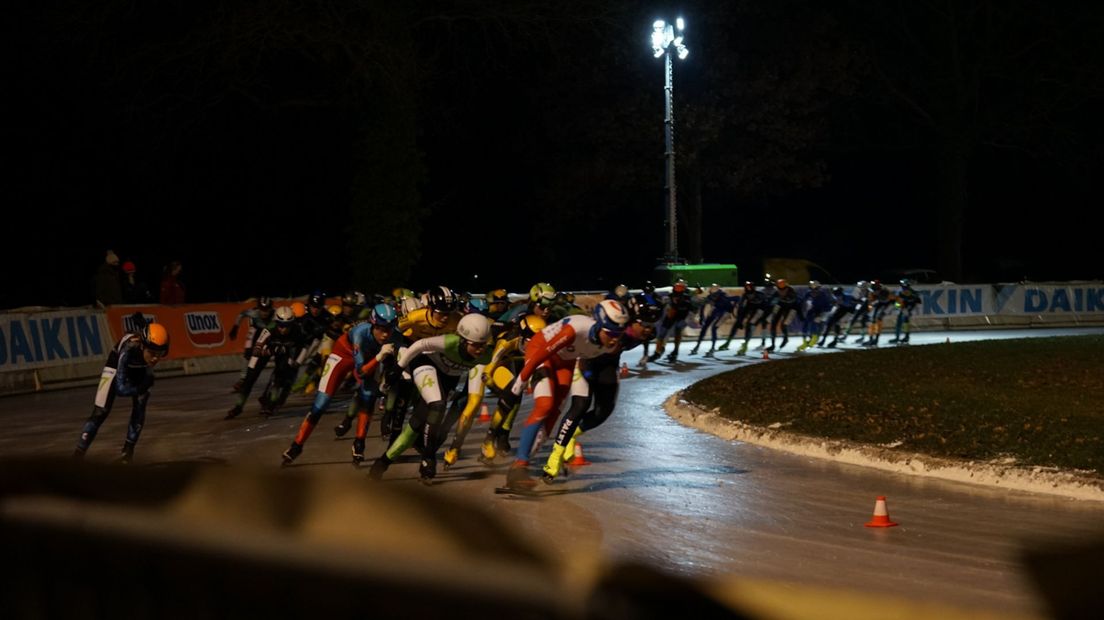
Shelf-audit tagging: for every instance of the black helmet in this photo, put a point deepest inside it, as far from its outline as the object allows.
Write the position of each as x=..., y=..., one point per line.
x=349, y=298
x=838, y=290
x=316, y=300
x=264, y=302
x=441, y=299
x=643, y=310
x=648, y=288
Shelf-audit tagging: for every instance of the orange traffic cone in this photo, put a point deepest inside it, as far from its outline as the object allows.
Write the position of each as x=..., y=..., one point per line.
x=766, y=354
x=624, y=370
x=579, y=460
x=881, y=515
x=484, y=415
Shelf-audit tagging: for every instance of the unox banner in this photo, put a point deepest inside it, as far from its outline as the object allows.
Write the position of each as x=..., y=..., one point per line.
x=30, y=340
x=195, y=330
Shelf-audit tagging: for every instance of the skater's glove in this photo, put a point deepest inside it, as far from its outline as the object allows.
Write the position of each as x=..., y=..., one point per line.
x=234, y=332
x=385, y=350
x=518, y=387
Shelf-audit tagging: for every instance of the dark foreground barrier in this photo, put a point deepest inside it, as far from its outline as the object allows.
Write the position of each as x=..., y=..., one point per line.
x=191, y=541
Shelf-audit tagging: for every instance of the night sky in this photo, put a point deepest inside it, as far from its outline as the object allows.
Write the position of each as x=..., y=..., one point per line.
x=282, y=147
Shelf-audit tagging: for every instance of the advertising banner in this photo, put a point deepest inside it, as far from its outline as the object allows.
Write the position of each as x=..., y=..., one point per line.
x=954, y=300
x=31, y=339
x=1071, y=301
x=195, y=330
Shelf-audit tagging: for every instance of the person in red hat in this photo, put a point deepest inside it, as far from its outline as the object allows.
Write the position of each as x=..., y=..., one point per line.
x=134, y=290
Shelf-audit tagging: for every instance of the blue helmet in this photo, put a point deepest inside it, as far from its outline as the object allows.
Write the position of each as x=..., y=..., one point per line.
x=383, y=315
x=476, y=305
x=611, y=315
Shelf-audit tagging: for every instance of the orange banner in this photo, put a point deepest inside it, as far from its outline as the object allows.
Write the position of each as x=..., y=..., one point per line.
x=195, y=330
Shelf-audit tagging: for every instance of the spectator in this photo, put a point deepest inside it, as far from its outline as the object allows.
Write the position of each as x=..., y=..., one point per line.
x=134, y=290
x=172, y=289
x=109, y=283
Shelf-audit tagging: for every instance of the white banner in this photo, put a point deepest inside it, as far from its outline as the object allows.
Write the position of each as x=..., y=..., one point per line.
x=30, y=340
x=1072, y=301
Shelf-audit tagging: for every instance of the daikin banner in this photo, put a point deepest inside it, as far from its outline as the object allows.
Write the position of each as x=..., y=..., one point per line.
x=30, y=340
x=1058, y=301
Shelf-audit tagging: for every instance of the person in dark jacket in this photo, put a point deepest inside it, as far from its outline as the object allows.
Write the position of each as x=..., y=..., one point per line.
x=109, y=281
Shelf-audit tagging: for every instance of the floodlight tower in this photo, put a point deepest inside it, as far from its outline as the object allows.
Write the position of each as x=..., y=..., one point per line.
x=664, y=37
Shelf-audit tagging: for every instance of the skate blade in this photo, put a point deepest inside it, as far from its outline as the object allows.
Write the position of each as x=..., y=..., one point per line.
x=516, y=491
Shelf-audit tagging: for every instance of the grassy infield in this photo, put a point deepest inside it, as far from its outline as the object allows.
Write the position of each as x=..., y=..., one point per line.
x=1039, y=401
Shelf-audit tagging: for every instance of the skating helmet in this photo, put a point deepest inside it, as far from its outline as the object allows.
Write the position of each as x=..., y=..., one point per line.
x=862, y=284
x=620, y=291
x=155, y=338
x=749, y=287
x=284, y=316
x=906, y=283
x=713, y=288
x=542, y=293
x=679, y=287
x=410, y=304
x=441, y=299
x=645, y=311
x=476, y=305
x=782, y=283
x=264, y=307
x=349, y=298
x=611, y=316
x=530, y=324
x=316, y=300
x=568, y=298
x=876, y=285
x=475, y=328
x=648, y=288
x=814, y=284
x=837, y=290
x=299, y=309
x=497, y=301
x=383, y=315
x=334, y=310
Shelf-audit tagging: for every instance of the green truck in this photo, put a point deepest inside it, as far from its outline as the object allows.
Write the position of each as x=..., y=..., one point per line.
x=796, y=270
x=703, y=274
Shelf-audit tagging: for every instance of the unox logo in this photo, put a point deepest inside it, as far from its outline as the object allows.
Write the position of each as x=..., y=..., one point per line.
x=128, y=322
x=204, y=329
